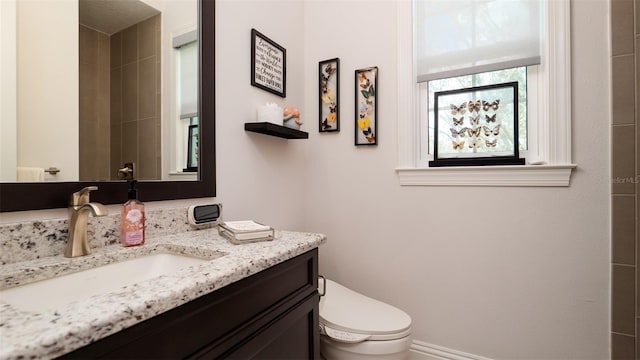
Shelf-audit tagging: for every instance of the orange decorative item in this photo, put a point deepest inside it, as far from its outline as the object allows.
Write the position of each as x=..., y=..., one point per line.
x=291, y=117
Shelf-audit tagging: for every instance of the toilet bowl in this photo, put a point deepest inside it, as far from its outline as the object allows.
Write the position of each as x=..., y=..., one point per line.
x=354, y=326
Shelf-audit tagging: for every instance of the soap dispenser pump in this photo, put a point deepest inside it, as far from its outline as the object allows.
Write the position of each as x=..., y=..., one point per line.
x=132, y=219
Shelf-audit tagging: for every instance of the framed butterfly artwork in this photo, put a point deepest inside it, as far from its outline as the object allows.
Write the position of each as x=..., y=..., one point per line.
x=329, y=95
x=366, y=104
x=476, y=126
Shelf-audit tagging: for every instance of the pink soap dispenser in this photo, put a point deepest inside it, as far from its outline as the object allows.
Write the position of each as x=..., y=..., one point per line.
x=132, y=219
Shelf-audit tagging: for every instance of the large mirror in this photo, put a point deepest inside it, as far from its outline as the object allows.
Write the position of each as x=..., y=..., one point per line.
x=195, y=122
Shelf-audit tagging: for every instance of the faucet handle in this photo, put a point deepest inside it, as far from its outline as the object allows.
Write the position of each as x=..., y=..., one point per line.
x=81, y=197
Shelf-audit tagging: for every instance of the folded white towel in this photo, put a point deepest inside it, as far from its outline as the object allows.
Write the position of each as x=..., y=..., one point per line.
x=30, y=174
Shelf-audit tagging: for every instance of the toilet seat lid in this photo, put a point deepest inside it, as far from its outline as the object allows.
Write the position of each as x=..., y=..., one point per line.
x=345, y=310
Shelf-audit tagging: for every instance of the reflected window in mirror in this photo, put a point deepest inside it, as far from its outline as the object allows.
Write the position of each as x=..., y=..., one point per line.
x=186, y=126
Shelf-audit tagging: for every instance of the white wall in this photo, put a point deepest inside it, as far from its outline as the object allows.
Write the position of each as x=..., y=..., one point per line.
x=48, y=115
x=497, y=272
x=8, y=115
x=258, y=176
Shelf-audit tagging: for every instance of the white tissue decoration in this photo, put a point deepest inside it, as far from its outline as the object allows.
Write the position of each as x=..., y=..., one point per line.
x=270, y=112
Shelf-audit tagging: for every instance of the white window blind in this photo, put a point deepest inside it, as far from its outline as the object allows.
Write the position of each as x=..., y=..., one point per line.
x=463, y=37
x=188, y=79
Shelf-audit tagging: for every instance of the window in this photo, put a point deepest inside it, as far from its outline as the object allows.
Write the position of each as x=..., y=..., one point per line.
x=186, y=125
x=547, y=134
x=427, y=90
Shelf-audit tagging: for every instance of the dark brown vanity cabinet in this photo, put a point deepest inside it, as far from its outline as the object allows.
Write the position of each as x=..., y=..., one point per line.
x=270, y=315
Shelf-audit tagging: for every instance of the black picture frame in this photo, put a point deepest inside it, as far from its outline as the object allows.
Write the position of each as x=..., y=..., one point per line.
x=366, y=106
x=192, y=149
x=329, y=95
x=268, y=64
x=488, y=138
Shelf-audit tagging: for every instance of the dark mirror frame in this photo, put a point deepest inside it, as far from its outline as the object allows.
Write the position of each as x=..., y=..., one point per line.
x=34, y=196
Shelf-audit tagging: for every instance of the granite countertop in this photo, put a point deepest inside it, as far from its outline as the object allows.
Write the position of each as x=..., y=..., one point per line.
x=50, y=333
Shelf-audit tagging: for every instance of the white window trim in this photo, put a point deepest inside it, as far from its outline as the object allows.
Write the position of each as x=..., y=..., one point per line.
x=552, y=126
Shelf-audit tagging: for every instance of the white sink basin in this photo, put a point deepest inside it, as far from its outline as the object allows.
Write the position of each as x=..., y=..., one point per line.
x=55, y=292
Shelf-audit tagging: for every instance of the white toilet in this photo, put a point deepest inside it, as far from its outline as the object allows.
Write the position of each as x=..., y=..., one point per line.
x=354, y=327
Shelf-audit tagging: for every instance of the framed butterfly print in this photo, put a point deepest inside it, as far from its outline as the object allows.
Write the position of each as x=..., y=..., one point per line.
x=329, y=95
x=366, y=104
x=476, y=126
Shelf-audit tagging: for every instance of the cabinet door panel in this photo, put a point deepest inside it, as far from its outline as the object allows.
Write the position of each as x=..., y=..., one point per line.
x=290, y=337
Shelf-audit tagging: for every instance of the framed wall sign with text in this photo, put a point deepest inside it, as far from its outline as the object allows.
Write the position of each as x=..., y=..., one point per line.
x=268, y=64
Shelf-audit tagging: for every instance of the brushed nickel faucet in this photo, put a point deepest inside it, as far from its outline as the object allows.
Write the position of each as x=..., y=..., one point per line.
x=79, y=208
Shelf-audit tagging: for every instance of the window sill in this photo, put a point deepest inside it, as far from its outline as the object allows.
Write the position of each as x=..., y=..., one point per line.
x=525, y=175
x=182, y=176
x=183, y=173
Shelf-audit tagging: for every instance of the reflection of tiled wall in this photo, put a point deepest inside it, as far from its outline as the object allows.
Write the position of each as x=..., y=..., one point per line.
x=135, y=98
x=94, y=105
x=625, y=307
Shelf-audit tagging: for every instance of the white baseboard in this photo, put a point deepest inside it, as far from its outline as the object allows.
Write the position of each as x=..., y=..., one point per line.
x=425, y=351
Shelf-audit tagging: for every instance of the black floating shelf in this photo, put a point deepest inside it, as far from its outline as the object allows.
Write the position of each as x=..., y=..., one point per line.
x=268, y=128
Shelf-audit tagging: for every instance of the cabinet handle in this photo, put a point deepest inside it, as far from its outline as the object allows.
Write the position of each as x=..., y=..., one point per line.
x=324, y=285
